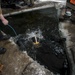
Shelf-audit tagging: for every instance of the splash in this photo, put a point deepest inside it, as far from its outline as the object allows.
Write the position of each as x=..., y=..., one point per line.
x=35, y=33
x=29, y=39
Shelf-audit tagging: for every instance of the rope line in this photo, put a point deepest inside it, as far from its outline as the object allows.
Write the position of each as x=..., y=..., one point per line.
x=12, y=29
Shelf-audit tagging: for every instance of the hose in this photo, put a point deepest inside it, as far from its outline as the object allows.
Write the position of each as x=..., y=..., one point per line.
x=13, y=29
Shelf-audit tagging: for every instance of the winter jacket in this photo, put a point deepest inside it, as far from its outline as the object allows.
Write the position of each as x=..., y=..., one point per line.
x=0, y=8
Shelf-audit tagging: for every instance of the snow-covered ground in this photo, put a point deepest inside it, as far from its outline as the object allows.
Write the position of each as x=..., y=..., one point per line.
x=54, y=0
x=60, y=2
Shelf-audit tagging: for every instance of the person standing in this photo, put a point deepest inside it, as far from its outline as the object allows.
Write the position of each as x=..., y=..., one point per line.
x=3, y=37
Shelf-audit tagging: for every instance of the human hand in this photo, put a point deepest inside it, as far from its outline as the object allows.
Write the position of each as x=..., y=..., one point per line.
x=4, y=21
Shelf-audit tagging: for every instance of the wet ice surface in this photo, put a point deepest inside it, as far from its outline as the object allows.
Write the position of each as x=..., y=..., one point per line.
x=36, y=69
x=54, y=0
x=61, y=2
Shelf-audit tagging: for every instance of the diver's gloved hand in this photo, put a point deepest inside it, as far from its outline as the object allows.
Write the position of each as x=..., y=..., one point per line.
x=2, y=50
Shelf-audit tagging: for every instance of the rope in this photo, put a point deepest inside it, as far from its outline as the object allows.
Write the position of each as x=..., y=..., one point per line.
x=12, y=29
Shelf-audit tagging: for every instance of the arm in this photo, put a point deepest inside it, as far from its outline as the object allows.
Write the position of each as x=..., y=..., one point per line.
x=4, y=21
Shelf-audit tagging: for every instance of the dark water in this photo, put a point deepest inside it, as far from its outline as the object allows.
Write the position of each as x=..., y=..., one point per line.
x=39, y=19
x=51, y=51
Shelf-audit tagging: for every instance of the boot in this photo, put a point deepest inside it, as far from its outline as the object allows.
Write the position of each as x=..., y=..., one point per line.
x=2, y=50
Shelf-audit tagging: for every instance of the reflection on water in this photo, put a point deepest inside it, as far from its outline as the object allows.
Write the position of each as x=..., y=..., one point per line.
x=42, y=24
